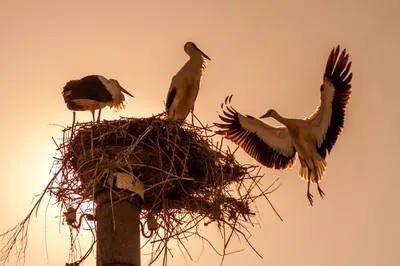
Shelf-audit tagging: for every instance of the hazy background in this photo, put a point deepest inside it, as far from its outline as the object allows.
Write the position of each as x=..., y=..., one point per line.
x=269, y=54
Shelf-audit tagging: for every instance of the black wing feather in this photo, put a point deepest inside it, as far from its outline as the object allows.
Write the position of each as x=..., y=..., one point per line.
x=337, y=71
x=170, y=97
x=86, y=88
x=252, y=144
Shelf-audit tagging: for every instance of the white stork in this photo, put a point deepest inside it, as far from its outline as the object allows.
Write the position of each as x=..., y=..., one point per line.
x=313, y=137
x=185, y=84
x=94, y=92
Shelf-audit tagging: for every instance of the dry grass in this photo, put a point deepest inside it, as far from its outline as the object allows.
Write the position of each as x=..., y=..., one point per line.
x=189, y=180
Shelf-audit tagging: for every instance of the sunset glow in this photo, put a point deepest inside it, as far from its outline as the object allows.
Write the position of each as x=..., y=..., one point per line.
x=269, y=55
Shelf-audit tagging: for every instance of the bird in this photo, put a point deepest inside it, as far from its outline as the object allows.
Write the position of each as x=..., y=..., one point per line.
x=312, y=138
x=185, y=85
x=94, y=92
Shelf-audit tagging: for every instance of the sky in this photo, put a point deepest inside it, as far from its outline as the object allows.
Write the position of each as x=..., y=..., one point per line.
x=268, y=54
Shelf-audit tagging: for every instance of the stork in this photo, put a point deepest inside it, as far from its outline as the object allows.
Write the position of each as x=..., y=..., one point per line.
x=94, y=92
x=312, y=138
x=185, y=84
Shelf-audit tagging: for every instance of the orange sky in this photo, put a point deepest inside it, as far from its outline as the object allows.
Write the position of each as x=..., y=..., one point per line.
x=269, y=54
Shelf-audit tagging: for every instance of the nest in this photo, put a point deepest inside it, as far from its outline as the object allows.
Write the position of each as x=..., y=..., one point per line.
x=187, y=177
x=175, y=163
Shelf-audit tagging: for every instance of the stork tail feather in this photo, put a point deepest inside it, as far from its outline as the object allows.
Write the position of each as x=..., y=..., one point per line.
x=316, y=174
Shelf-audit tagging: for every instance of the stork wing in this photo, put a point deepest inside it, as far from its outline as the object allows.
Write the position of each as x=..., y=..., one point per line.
x=171, y=93
x=270, y=146
x=170, y=97
x=86, y=88
x=327, y=121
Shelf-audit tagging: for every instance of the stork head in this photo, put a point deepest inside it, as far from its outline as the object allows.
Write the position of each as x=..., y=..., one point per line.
x=116, y=83
x=191, y=49
x=119, y=95
x=270, y=113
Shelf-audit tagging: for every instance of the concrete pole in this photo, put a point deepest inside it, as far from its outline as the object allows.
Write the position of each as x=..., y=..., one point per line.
x=118, y=229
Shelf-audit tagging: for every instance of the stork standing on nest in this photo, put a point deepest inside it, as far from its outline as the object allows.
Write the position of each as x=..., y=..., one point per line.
x=94, y=92
x=313, y=137
x=185, y=84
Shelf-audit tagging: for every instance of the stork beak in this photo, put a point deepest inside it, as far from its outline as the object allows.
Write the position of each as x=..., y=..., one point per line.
x=126, y=92
x=203, y=53
x=264, y=116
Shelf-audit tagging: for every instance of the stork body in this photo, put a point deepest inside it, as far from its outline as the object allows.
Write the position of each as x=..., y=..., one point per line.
x=312, y=138
x=185, y=84
x=94, y=92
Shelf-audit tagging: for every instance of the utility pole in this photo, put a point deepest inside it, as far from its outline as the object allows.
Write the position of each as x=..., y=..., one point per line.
x=119, y=199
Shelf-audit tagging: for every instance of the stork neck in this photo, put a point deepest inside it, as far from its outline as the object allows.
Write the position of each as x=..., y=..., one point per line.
x=197, y=60
x=197, y=57
x=280, y=118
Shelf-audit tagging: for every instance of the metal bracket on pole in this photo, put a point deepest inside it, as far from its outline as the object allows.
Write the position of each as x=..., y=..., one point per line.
x=124, y=181
x=127, y=182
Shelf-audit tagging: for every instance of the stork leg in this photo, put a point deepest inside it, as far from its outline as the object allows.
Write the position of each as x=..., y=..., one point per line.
x=92, y=111
x=309, y=195
x=73, y=118
x=192, y=117
x=321, y=193
x=98, y=117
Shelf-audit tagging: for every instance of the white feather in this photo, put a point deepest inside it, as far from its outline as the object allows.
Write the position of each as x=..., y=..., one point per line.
x=321, y=118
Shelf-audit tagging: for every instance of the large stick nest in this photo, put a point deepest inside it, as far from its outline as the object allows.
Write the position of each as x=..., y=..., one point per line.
x=177, y=164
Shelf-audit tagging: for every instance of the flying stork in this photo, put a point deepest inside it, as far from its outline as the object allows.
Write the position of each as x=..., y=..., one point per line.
x=94, y=92
x=185, y=84
x=312, y=138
